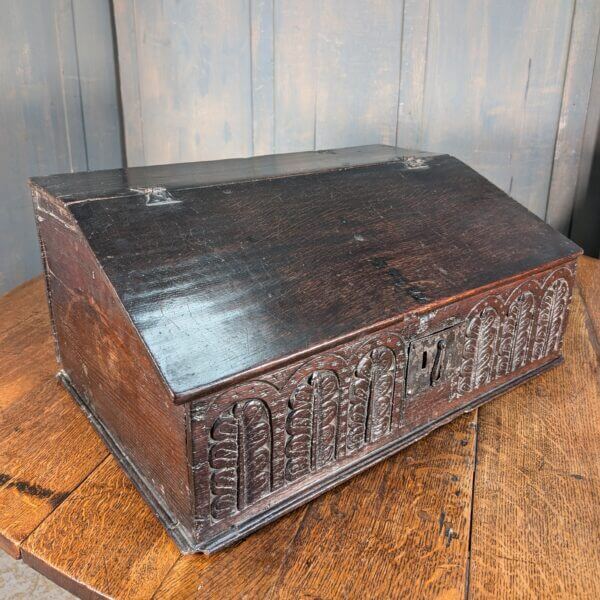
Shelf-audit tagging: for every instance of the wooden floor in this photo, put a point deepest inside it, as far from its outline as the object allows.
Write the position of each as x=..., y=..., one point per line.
x=502, y=503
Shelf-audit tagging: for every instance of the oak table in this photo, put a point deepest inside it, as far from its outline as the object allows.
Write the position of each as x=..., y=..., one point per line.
x=504, y=502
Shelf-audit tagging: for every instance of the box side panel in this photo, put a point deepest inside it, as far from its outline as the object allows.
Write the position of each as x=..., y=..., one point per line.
x=263, y=447
x=109, y=368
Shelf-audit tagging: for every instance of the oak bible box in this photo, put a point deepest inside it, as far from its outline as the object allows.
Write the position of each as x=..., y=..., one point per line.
x=246, y=334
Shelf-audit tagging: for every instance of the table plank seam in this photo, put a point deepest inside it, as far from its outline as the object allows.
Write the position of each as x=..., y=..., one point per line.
x=467, y=591
x=65, y=499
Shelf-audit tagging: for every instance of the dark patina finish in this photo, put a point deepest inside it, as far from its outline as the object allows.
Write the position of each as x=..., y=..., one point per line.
x=246, y=334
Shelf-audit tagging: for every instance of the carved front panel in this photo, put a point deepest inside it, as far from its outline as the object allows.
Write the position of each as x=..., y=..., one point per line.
x=371, y=398
x=505, y=334
x=266, y=435
x=240, y=457
x=312, y=424
x=309, y=418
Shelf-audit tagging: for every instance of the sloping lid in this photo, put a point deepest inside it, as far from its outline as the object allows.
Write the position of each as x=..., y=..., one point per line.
x=222, y=279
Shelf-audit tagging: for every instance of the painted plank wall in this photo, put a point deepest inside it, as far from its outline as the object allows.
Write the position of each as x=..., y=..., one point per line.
x=493, y=89
x=585, y=227
x=186, y=80
x=573, y=154
x=502, y=84
x=58, y=110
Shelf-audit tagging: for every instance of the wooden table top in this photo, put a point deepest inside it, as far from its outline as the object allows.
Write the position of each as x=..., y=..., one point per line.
x=501, y=503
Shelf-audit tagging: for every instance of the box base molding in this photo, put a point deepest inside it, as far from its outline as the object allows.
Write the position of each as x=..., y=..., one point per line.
x=181, y=536
x=176, y=531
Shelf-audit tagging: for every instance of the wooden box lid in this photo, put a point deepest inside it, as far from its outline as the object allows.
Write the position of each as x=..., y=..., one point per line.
x=230, y=267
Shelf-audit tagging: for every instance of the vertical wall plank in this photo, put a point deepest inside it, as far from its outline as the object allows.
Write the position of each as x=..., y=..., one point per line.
x=131, y=99
x=494, y=82
x=24, y=81
x=296, y=36
x=585, y=229
x=192, y=66
x=576, y=95
x=69, y=81
x=97, y=83
x=44, y=111
x=263, y=101
x=337, y=68
x=358, y=72
x=412, y=81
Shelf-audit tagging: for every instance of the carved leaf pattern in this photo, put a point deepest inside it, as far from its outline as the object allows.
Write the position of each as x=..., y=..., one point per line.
x=358, y=405
x=550, y=320
x=479, y=350
x=528, y=333
x=223, y=460
x=254, y=426
x=499, y=339
x=516, y=334
x=312, y=424
x=325, y=413
x=240, y=457
x=299, y=429
x=371, y=398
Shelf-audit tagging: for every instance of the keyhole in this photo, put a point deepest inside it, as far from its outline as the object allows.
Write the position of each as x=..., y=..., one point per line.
x=436, y=371
x=424, y=362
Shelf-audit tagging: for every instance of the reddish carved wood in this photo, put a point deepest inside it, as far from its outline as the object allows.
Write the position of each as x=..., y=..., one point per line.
x=504, y=333
x=247, y=334
x=240, y=457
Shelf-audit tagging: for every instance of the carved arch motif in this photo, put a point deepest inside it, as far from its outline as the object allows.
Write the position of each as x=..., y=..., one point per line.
x=518, y=324
x=371, y=398
x=312, y=424
x=240, y=457
x=479, y=350
x=551, y=317
x=504, y=336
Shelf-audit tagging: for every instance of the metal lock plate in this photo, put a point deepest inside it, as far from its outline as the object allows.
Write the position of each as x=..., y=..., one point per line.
x=432, y=359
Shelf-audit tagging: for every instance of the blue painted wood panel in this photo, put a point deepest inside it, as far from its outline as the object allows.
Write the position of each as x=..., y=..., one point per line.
x=481, y=79
x=186, y=79
x=502, y=84
x=493, y=89
x=58, y=111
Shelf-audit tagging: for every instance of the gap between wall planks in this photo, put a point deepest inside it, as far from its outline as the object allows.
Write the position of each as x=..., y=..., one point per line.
x=502, y=85
x=404, y=527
